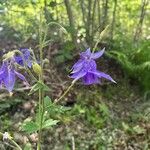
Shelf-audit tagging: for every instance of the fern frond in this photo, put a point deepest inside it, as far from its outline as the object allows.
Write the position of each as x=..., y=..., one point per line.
x=145, y=65
x=122, y=59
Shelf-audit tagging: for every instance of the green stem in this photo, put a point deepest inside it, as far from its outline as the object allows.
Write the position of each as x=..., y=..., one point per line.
x=30, y=73
x=63, y=95
x=15, y=144
x=102, y=34
x=55, y=23
x=33, y=54
x=41, y=120
x=95, y=46
x=18, y=147
x=41, y=113
x=41, y=92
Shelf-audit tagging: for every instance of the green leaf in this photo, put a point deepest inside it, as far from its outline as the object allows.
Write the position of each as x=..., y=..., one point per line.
x=30, y=127
x=47, y=101
x=4, y=105
x=34, y=89
x=39, y=85
x=139, y=130
x=127, y=128
x=60, y=59
x=53, y=108
x=104, y=109
x=28, y=146
x=48, y=123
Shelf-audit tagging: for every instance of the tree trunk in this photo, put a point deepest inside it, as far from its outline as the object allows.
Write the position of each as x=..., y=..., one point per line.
x=105, y=14
x=113, y=20
x=93, y=19
x=138, y=31
x=88, y=28
x=83, y=11
x=71, y=21
x=99, y=12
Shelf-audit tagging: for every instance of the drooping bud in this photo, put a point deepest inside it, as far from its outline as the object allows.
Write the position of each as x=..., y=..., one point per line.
x=45, y=61
x=37, y=68
x=9, y=55
x=10, y=94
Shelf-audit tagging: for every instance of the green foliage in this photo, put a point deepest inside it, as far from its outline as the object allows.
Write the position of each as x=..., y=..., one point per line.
x=5, y=121
x=133, y=129
x=50, y=110
x=135, y=64
x=98, y=118
x=54, y=109
x=49, y=123
x=39, y=85
x=30, y=127
x=95, y=116
x=104, y=109
x=65, y=53
x=20, y=22
x=28, y=146
x=8, y=103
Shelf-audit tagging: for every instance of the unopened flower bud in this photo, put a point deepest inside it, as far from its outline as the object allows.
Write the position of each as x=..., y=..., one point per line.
x=9, y=55
x=37, y=68
x=46, y=61
x=10, y=94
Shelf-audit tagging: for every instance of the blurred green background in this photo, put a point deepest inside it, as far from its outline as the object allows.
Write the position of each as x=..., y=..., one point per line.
x=102, y=117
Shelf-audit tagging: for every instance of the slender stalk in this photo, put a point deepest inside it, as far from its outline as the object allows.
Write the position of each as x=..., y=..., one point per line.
x=33, y=54
x=64, y=94
x=40, y=117
x=41, y=113
x=17, y=146
x=95, y=46
x=14, y=143
x=102, y=34
x=41, y=92
x=30, y=73
x=73, y=143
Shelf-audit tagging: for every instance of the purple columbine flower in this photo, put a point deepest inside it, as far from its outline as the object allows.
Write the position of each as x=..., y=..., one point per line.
x=86, y=68
x=27, y=58
x=8, y=75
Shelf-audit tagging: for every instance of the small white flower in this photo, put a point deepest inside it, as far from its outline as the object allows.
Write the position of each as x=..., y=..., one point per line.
x=6, y=136
x=55, y=33
x=78, y=41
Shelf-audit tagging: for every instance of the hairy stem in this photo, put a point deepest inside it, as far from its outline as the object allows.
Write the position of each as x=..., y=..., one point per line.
x=101, y=36
x=64, y=94
x=40, y=117
x=41, y=92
